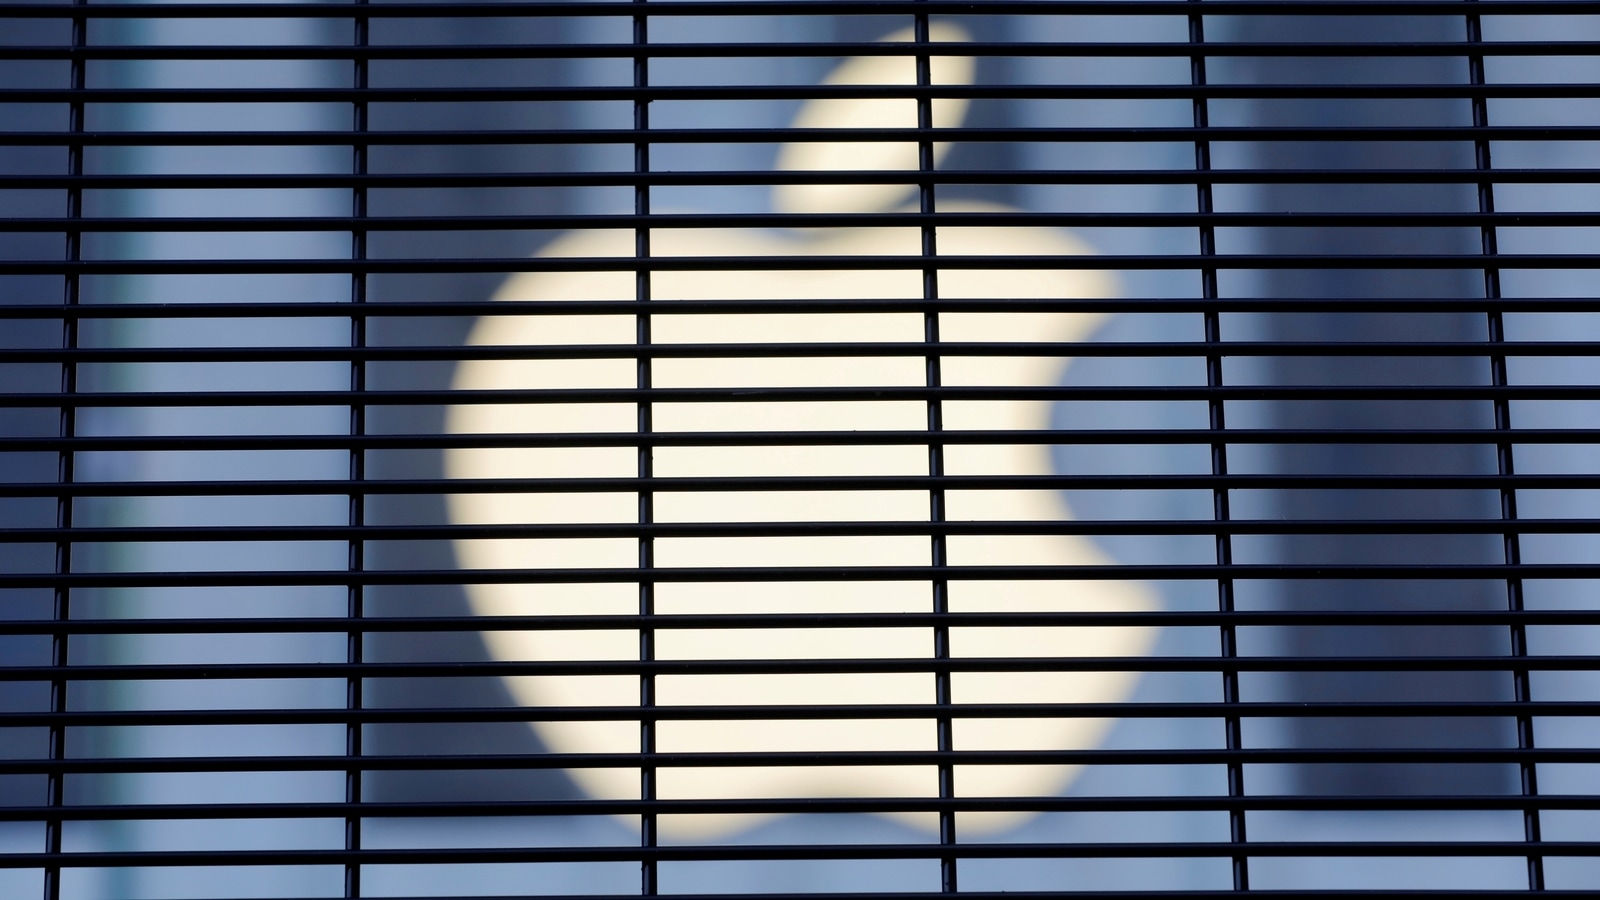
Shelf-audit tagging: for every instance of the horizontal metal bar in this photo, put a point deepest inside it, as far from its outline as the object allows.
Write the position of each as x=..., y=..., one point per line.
x=143, y=812
x=818, y=574
x=382, y=181
x=1113, y=436
x=1164, y=262
x=820, y=305
x=809, y=712
x=1386, y=618
x=688, y=530
x=729, y=852
x=999, y=219
x=805, y=49
x=782, y=350
x=331, y=487
x=850, y=665
x=512, y=9
x=754, y=394
x=497, y=762
x=1122, y=437
x=1255, y=893
x=701, y=93
x=1136, y=134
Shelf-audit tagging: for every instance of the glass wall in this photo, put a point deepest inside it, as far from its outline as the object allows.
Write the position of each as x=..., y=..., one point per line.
x=506, y=173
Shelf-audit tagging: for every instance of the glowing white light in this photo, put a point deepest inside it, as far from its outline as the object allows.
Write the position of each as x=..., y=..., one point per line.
x=821, y=597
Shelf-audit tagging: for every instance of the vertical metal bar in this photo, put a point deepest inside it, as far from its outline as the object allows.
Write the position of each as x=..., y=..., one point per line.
x=61, y=600
x=649, y=870
x=355, y=595
x=1528, y=782
x=1217, y=423
x=936, y=498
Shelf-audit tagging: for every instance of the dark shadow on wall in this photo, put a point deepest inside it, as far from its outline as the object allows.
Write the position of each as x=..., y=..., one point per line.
x=461, y=738
x=40, y=463
x=1379, y=596
x=29, y=466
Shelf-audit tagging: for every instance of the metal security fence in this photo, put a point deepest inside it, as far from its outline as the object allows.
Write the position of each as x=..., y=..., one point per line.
x=1138, y=448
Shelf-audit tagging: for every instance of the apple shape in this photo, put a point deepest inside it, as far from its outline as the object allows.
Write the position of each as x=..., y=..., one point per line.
x=764, y=506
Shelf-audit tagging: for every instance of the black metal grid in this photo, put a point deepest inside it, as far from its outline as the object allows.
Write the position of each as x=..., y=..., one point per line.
x=69, y=59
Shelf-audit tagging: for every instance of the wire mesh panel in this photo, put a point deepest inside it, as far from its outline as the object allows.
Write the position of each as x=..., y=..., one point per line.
x=800, y=448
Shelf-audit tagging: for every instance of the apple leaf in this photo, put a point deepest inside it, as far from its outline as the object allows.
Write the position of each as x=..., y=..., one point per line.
x=843, y=156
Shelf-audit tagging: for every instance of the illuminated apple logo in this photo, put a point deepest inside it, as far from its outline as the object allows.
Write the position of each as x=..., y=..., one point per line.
x=766, y=506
